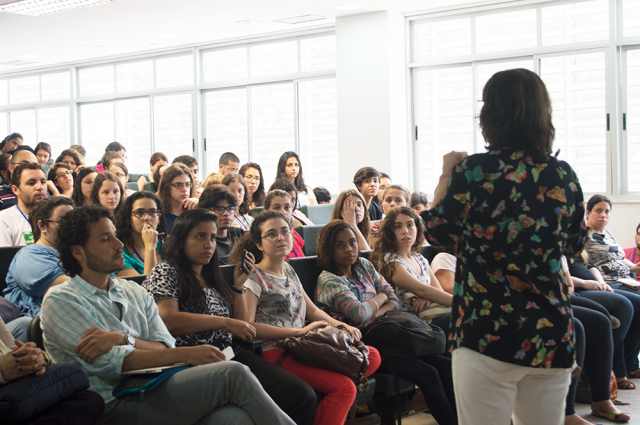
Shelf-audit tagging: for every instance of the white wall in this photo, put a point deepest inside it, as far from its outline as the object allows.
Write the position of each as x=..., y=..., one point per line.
x=624, y=219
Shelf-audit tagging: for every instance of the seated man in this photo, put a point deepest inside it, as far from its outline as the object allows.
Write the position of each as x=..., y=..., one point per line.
x=192, y=163
x=633, y=254
x=228, y=163
x=219, y=199
x=111, y=326
x=21, y=155
x=279, y=200
x=29, y=184
x=35, y=268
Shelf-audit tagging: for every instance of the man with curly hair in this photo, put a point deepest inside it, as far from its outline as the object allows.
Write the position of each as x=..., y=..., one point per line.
x=112, y=326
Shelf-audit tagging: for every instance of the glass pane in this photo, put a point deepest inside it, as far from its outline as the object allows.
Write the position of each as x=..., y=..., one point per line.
x=134, y=76
x=445, y=119
x=4, y=93
x=225, y=65
x=55, y=86
x=53, y=128
x=24, y=122
x=577, y=86
x=24, y=90
x=173, y=125
x=443, y=39
x=630, y=18
x=133, y=118
x=273, y=129
x=95, y=81
x=174, y=72
x=318, y=53
x=97, y=129
x=318, y=123
x=506, y=31
x=633, y=120
x=4, y=129
x=274, y=59
x=226, y=125
x=575, y=22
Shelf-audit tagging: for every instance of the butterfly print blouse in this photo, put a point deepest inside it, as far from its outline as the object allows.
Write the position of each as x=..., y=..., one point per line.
x=513, y=219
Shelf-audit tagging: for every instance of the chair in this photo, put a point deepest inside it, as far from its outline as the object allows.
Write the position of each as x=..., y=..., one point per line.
x=34, y=332
x=307, y=270
x=310, y=236
x=318, y=214
x=6, y=257
x=151, y=187
x=254, y=212
x=134, y=177
x=429, y=253
x=139, y=278
x=132, y=186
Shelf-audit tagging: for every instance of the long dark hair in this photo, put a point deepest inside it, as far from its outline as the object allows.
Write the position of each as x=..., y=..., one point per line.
x=11, y=137
x=326, y=243
x=258, y=196
x=189, y=289
x=243, y=208
x=77, y=196
x=517, y=114
x=251, y=238
x=282, y=163
x=124, y=229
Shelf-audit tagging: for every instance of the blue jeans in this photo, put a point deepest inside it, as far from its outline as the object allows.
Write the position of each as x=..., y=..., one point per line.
x=625, y=306
x=18, y=328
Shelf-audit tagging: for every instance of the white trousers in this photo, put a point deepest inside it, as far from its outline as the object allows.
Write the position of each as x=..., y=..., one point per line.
x=492, y=392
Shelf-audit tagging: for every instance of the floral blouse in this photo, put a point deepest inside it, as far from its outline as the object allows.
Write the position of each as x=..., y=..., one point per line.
x=405, y=297
x=280, y=301
x=607, y=256
x=347, y=297
x=512, y=219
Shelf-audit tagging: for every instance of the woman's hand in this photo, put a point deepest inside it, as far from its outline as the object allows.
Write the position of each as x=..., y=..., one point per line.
x=450, y=160
x=594, y=285
x=635, y=268
x=419, y=304
x=348, y=212
x=240, y=329
x=355, y=332
x=239, y=277
x=311, y=326
x=26, y=359
x=149, y=236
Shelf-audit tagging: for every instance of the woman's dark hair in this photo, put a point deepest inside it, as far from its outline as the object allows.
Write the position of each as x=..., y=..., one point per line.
x=97, y=184
x=286, y=185
x=388, y=243
x=158, y=156
x=43, y=211
x=322, y=194
x=243, y=208
x=595, y=200
x=42, y=146
x=77, y=158
x=11, y=137
x=282, y=163
x=124, y=230
x=418, y=198
x=190, y=291
x=164, y=185
x=363, y=174
x=517, y=114
x=326, y=242
x=73, y=230
x=156, y=174
x=51, y=174
x=78, y=196
x=108, y=157
x=251, y=238
x=120, y=165
x=365, y=225
x=258, y=196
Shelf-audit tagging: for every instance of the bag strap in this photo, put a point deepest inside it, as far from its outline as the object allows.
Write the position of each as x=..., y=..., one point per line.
x=283, y=356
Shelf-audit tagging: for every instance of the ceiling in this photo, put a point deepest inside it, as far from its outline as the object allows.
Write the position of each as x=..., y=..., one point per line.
x=124, y=27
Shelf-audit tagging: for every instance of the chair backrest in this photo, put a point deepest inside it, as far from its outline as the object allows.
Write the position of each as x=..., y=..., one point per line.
x=132, y=185
x=318, y=214
x=308, y=271
x=6, y=257
x=254, y=212
x=139, y=278
x=227, y=273
x=151, y=187
x=310, y=236
x=134, y=177
x=429, y=253
x=34, y=333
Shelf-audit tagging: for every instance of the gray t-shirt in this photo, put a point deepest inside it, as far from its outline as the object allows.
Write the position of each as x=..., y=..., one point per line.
x=224, y=246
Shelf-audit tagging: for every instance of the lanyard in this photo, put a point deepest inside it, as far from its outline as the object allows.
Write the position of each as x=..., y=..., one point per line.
x=356, y=286
x=240, y=221
x=295, y=253
x=25, y=217
x=136, y=252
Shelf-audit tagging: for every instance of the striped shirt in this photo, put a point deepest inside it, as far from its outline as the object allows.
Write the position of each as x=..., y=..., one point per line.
x=76, y=305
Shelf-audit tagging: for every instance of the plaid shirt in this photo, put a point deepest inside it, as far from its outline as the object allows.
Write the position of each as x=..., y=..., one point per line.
x=76, y=305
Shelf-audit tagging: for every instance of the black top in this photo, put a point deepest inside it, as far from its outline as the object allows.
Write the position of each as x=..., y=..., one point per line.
x=7, y=197
x=169, y=220
x=375, y=212
x=513, y=219
x=224, y=246
x=579, y=270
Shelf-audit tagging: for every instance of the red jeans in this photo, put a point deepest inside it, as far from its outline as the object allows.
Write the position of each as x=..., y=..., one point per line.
x=339, y=391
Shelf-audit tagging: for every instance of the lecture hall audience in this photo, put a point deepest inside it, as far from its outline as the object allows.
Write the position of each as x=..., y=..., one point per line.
x=350, y=206
x=241, y=218
x=107, y=191
x=177, y=192
x=279, y=200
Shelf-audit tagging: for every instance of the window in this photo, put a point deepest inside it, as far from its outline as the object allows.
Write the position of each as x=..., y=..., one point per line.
x=4, y=92
x=226, y=121
x=4, y=128
x=274, y=59
x=96, y=81
x=225, y=65
x=506, y=31
x=631, y=119
x=575, y=22
x=55, y=86
x=134, y=76
x=630, y=18
x=97, y=129
x=24, y=90
x=24, y=122
x=173, y=126
x=54, y=128
x=133, y=130
x=442, y=39
x=174, y=71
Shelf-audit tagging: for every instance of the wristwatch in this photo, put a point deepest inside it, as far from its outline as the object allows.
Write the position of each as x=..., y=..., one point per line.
x=239, y=291
x=128, y=339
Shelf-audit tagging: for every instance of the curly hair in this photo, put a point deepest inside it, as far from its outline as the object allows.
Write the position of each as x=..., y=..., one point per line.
x=286, y=185
x=326, y=242
x=258, y=196
x=124, y=229
x=43, y=211
x=73, y=230
x=365, y=225
x=189, y=289
x=97, y=184
x=282, y=165
x=78, y=196
x=253, y=237
x=216, y=193
x=244, y=206
x=388, y=242
x=77, y=158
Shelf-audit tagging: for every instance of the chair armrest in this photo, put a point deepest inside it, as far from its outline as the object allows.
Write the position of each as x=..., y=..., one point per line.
x=254, y=346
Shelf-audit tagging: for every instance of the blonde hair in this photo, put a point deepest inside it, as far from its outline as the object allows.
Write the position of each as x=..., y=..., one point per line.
x=212, y=178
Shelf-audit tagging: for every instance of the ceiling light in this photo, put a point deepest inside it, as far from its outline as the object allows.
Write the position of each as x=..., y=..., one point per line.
x=166, y=35
x=348, y=6
x=47, y=7
x=300, y=19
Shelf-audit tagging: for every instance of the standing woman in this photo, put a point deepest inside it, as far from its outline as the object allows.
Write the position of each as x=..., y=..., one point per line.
x=515, y=211
x=83, y=185
x=350, y=207
x=43, y=153
x=200, y=307
x=241, y=218
x=141, y=228
x=278, y=308
x=11, y=143
x=290, y=168
x=107, y=191
x=62, y=177
x=177, y=192
x=157, y=158
x=252, y=174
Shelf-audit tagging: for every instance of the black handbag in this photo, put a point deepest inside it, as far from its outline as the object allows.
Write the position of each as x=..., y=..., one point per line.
x=404, y=335
x=31, y=395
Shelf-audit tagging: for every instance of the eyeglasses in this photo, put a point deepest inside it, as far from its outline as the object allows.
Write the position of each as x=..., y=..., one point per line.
x=252, y=178
x=180, y=186
x=230, y=169
x=221, y=210
x=142, y=212
x=64, y=173
x=52, y=221
x=272, y=236
x=120, y=175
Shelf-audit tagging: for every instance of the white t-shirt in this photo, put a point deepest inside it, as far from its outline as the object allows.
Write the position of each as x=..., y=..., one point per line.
x=305, y=198
x=444, y=261
x=15, y=229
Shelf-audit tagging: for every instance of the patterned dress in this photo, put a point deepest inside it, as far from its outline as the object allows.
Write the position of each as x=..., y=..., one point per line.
x=512, y=219
x=607, y=256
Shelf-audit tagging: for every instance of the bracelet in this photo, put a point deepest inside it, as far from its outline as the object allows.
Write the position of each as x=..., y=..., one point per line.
x=47, y=358
x=376, y=303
